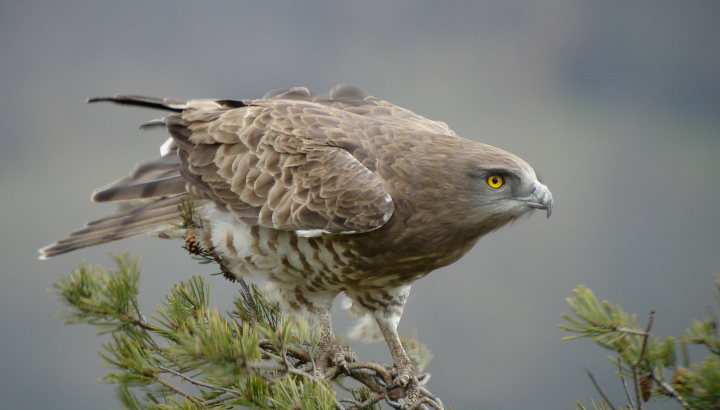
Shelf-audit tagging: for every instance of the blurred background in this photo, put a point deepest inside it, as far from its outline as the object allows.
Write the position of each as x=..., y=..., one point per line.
x=615, y=104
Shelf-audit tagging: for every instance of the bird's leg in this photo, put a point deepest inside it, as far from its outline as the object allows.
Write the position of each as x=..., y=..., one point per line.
x=405, y=371
x=330, y=353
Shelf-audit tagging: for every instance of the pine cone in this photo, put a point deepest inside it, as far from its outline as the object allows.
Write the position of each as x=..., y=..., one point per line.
x=191, y=243
x=646, y=385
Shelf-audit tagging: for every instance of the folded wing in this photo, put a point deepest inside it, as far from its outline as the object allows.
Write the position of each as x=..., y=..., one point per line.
x=292, y=161
x=276, y=163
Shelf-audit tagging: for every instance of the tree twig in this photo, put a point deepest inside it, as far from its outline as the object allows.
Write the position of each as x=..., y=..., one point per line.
x=367, y=403
x=628, y=331
x=670, y=391
x=598, y=388
x=625, y=387
x=139, y=322
x=251, y=303
x=195, y=382
x=433, y=403
x=297, y=352
x=434, y=398
x=178, y=391
x=636, y=378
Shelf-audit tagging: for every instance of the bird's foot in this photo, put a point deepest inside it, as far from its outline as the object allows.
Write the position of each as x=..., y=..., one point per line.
x=406, y=392
x=340, y=356
x=332, y=358
x=404, y=387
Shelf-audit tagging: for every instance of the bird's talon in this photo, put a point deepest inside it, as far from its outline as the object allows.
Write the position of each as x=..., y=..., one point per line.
x=339, y=359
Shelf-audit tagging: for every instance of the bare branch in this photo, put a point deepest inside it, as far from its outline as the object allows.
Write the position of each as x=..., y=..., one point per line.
x=178, y=391
x=426, y=392
x=598, y=388
x=670, y=391
x=636, y=386
x=139, y=322
x=645, y=339
x=433, y=403
x=369, y=402
x=636, y=378
x=628, y=331
x=195, y=382
x=380, y=369
x=625, y=387
x=297, y=352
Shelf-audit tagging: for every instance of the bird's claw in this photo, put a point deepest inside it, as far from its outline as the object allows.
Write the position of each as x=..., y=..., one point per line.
x=340, y=358
x=336, y=356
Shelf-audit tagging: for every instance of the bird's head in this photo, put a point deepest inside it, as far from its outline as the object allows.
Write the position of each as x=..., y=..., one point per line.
x=484, y=189
x=503, y=187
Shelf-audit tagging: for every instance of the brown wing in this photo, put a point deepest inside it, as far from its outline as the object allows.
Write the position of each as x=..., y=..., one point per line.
x=274, y=164
x=292, y=161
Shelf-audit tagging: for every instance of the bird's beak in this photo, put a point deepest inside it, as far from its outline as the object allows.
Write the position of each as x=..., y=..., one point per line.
x=539, y=198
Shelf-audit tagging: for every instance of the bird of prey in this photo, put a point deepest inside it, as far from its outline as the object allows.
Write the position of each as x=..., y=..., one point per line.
x=321, y=195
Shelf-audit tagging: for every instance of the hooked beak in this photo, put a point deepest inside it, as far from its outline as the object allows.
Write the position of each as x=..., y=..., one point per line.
x=539, y=198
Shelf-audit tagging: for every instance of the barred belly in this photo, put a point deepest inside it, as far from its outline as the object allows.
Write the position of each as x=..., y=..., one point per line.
x=302, y=272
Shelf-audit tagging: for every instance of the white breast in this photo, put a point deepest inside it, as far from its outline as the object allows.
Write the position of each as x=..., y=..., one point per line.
x=298, y=274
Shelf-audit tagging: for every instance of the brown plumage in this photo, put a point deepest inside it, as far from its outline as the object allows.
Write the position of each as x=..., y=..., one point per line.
x=322, y=195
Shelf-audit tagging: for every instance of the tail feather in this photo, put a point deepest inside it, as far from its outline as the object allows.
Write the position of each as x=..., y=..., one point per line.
x=168, y=202
x=141, y=216
x=167, y=104
x=129, y=191
x=152, y=191
x=154, y=178
x=145, y=219
x=152, y=167
x=59, y=249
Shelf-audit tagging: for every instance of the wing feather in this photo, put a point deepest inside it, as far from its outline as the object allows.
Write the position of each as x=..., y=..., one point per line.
x=282, y=167
x=292, y=161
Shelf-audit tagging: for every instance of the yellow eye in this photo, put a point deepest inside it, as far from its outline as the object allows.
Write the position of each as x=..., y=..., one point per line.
x=495, y=181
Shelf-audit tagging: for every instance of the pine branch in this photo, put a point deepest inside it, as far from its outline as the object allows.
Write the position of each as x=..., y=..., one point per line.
x=645, y=359
x=252, y=356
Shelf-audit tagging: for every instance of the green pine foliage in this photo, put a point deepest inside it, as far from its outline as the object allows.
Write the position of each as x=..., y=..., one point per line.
x=654, y=368
x=190, y=356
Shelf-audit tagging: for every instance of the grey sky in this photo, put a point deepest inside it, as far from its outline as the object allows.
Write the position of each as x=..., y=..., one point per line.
x=615, y=104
